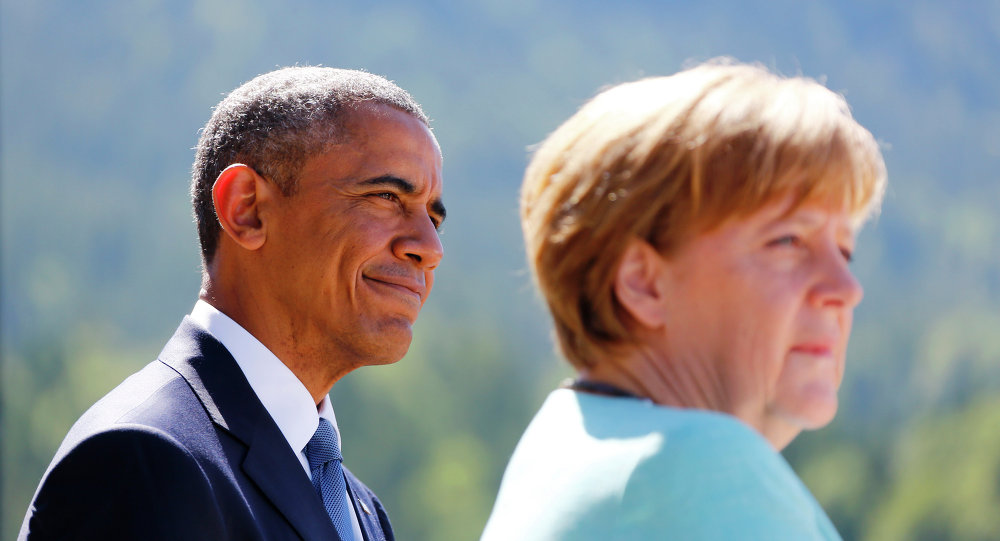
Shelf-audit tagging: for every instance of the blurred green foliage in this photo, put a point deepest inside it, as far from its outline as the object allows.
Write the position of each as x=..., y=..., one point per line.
x=101, y=104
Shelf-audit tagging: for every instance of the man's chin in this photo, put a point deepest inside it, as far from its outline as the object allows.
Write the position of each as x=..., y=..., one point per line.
x=389, y=359
x=391, y=344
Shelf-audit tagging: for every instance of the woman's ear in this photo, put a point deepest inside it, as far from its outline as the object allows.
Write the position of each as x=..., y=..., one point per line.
x=236, y=194
x=638, y=283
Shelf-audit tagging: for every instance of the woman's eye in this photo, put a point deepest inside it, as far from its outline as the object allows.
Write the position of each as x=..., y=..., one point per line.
x=786, y=240
x=848, y=254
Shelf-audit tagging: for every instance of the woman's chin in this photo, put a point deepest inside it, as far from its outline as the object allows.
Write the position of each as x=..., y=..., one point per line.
x=813, y=410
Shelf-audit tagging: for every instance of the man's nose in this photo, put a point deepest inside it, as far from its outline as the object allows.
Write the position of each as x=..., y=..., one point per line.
x=421, y=244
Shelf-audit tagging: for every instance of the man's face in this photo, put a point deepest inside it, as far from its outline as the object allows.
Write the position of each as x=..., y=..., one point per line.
x=351, y=254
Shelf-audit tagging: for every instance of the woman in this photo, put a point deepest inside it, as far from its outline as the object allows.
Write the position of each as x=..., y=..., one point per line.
x=691, y=235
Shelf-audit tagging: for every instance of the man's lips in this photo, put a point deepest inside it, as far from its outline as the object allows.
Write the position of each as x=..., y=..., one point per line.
x=403, y=285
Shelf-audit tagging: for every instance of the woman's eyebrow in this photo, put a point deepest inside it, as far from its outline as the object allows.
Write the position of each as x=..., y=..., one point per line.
x=801, y=217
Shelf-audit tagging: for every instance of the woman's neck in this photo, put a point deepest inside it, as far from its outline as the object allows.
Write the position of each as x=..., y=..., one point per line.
x=645, y=374
x=685, y=384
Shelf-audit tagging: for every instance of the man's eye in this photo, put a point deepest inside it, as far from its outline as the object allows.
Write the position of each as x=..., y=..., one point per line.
x=388, y=196
x=848, y=254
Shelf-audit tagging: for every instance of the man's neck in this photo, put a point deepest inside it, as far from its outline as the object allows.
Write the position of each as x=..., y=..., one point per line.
x=309, y=364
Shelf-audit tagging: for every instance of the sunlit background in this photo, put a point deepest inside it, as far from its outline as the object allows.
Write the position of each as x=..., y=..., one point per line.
x=102, y=102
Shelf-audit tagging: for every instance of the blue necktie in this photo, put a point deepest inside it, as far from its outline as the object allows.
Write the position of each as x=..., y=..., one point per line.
x=328, y=477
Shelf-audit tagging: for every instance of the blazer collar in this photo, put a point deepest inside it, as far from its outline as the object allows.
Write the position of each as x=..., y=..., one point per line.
x=216, y=379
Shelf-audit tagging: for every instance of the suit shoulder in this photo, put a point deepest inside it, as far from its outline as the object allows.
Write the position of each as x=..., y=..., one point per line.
x=156, y=396
x=131, y=393
x=128, y=480
x=124, y=443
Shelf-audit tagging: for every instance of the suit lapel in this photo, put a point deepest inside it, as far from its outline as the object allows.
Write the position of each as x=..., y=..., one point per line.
x=279, y=475
x=364, y=508
x=231, y=403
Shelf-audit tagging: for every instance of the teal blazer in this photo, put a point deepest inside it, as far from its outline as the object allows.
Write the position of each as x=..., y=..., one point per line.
x=593, y=467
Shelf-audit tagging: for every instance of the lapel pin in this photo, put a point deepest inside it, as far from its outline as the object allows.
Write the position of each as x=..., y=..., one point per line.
x=364, y=507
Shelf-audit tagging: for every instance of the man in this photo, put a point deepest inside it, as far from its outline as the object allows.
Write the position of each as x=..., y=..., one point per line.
x=317, y=194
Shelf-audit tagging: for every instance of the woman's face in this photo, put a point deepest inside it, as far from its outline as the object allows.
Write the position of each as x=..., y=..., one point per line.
x=764, y=304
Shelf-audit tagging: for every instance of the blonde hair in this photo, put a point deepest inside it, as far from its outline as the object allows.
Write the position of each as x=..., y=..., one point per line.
x=665, y=158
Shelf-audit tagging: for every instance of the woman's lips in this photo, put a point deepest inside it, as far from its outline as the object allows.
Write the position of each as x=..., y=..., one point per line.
x=818, y=349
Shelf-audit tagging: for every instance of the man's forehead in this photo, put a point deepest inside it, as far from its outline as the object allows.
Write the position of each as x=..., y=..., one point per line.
x=374, y=121
x=358, y=116
x=382, y=132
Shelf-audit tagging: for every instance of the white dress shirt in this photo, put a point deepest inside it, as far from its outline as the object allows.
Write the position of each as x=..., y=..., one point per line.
x=278, y=389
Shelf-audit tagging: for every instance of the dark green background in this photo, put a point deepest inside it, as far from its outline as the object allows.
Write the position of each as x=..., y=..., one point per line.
x=102, y=102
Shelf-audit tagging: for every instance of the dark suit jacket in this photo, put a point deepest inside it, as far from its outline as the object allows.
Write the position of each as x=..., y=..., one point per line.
x=183, y=449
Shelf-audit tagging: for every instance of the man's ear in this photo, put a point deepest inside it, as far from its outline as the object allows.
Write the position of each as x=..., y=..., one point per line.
x=638, y=283
x=237, y=194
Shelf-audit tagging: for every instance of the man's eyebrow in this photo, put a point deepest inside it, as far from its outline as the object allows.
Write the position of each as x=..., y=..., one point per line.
x=402, y=185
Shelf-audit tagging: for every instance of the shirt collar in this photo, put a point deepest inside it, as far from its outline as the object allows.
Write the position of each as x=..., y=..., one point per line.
x=278, y=389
